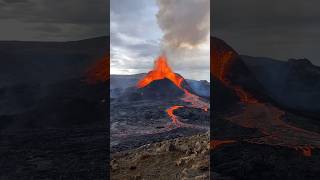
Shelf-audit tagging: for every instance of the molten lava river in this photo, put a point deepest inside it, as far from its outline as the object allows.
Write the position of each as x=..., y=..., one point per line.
x=162, y=70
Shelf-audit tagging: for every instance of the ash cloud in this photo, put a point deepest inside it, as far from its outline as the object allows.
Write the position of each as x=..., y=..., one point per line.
x=186, y=36
x=185, y=24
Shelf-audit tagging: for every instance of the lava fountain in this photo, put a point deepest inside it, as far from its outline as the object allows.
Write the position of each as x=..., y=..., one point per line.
x=162, y=70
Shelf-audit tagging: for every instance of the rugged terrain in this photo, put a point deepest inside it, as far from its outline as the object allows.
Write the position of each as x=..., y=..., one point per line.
x=53, y=123
x=180, y=158
x=156, y=121
x=265, y=124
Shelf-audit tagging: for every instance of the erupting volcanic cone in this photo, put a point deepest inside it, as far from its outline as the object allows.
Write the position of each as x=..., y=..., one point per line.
x=162, y=82
x=159, y=89
x=161, y=70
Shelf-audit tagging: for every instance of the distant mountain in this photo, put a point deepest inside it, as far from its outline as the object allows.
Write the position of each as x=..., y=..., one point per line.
x=293, y=84
x=45, y=62
x=119, y=83
x=201, y=87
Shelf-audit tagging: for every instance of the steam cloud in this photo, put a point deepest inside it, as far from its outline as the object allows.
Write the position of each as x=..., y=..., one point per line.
x=185, y=23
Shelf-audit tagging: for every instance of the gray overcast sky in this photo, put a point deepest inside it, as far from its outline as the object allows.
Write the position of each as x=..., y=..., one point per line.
x=279, y=29
x=49, y=20
x=136, y=37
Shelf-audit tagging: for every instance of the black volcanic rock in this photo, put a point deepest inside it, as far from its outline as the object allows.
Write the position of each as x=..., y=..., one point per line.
x=255, y=161
x=223, y=98
x=52, y=123
x=42, y=84
x=157, y=90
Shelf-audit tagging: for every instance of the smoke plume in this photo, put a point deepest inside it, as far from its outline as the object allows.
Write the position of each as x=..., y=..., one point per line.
x=186, y=36
x=185, y=23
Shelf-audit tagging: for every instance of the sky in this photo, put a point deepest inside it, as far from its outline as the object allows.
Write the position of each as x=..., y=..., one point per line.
x=138, y=36
x=277, y=29
x=49, y=20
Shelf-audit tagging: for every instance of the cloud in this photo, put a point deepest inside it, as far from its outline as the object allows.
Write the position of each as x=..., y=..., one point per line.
x=134, y=36
x=186, y=39
x=51, y=19
x=184, y=23
x=136, y=39
x=279, y=29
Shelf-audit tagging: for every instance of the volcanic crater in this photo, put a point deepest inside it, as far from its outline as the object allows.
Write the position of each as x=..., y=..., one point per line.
x=161, y=105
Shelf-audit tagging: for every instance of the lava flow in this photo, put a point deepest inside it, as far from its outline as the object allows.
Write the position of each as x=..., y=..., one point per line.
x=267, y=118
x=214, y=144
x=172, y=116
x=162, y=70
x=223, y=57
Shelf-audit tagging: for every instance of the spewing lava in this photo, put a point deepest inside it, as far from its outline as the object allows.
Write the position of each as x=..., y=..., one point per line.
x=162, y=70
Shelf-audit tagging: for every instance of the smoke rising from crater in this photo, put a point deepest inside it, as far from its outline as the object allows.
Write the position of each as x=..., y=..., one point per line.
x=185, y=23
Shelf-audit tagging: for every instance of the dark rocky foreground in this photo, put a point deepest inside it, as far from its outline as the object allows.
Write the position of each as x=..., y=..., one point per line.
x=179, y=158
x=136, y=123
x=54, y=154
x=53, y=124
x=252, y=161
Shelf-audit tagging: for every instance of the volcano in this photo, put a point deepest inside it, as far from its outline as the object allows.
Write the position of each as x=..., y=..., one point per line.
x=148, y=110
x=160, y=83
x=161, y=70
x=163, y=88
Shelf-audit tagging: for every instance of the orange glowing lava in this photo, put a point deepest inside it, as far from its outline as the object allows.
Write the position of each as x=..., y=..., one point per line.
x=222, y=59
x=172, y=116
x=162, y=70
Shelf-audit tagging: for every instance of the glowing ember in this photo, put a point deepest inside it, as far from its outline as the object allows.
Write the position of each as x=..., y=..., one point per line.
x=306, y=150
x=99, y=72
x=214, y=144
